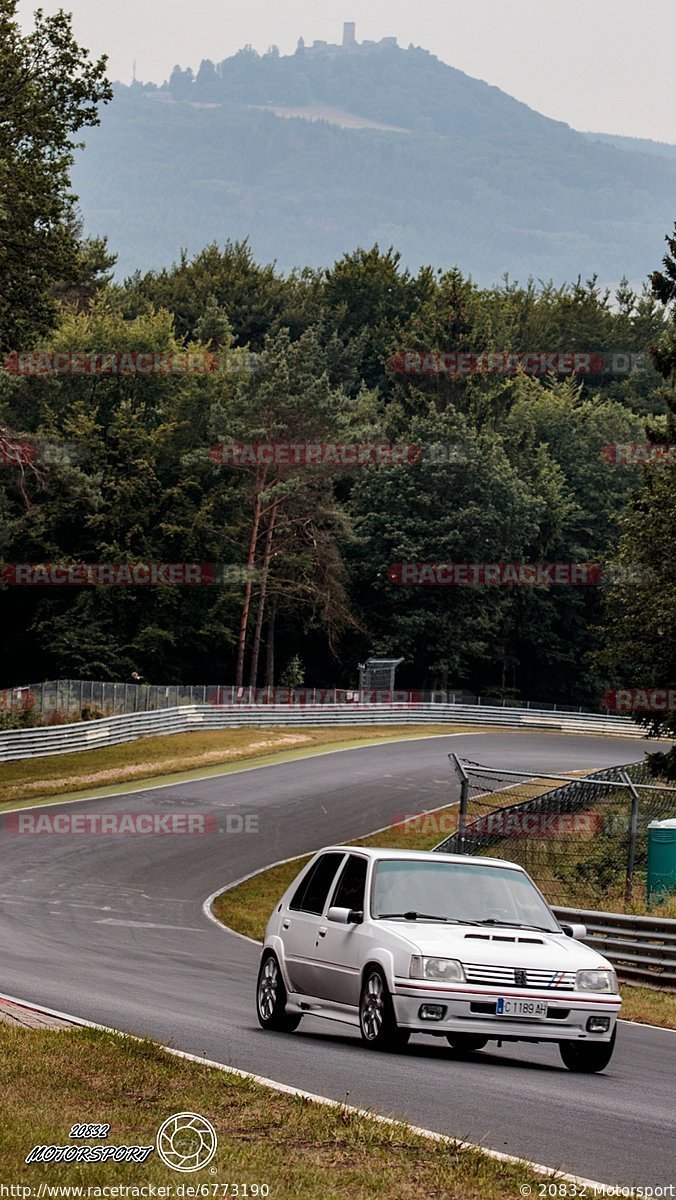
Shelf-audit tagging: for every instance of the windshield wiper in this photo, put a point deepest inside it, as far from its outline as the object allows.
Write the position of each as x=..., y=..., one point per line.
x=413, y=915
x=513, y=925
x=418, y=916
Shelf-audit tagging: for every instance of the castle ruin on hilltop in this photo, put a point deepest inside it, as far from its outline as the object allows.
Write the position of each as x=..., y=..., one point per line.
x=349, y=43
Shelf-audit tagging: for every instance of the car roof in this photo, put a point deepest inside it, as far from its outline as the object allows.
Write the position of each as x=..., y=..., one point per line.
x=387, y=853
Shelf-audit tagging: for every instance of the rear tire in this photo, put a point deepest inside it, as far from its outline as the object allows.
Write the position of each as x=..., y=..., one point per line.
x=585, y=1057
x=377, y=1021
x=271, y=998
x=465, y=1043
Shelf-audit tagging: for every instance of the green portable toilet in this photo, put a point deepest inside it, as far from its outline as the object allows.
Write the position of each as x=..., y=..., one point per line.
x=661, y=858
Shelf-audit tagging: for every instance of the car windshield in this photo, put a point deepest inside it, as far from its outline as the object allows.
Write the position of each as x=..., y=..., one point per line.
x=471, y=892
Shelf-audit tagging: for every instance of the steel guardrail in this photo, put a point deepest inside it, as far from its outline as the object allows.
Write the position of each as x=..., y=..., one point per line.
x=110, y=731
x=641, y=948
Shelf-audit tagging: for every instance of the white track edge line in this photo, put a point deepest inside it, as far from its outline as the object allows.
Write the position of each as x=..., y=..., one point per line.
x=156, y=787
x=644, y=1024
x=286, y=1089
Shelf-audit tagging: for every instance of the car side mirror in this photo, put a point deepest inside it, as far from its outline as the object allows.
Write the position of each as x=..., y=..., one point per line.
x=574, y=931
x=345, y=916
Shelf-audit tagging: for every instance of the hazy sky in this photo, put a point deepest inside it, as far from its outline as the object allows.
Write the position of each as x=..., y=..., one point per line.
x=603, y=65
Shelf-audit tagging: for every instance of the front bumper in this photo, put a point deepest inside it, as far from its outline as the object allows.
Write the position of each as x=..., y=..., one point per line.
x=471, y=1010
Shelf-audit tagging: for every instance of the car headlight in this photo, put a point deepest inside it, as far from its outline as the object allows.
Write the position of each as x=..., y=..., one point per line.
x=444, y=970
x=596, y=981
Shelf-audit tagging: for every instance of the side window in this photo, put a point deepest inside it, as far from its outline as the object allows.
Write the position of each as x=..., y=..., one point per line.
x=349, y=892
x=311, y=893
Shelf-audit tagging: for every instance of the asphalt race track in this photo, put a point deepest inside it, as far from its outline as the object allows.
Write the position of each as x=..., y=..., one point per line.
x=111, y=928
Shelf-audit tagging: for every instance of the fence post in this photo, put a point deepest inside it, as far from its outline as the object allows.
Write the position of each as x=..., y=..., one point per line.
x=462, y=815
x=633, y=835
x=464, y=800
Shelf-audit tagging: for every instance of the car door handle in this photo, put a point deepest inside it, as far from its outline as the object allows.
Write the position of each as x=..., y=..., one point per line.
x=322, y=931
x=285, y=924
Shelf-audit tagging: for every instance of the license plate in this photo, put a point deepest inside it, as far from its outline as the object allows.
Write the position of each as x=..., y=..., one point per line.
x=520, y=1008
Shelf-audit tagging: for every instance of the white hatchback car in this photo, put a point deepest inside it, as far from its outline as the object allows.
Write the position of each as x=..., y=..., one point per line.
x=398, y=942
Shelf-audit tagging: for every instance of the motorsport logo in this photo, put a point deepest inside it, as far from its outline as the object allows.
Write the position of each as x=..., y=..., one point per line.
x=89, y=1153
x=186, y=1141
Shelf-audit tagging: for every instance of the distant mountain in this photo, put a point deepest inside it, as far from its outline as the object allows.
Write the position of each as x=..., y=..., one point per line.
x=644, y=145
x=313, y=154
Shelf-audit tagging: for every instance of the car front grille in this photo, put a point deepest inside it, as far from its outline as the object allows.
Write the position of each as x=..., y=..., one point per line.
x=490, y=975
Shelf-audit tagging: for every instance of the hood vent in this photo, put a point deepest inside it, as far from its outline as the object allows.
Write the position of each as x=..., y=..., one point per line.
x=501, y=937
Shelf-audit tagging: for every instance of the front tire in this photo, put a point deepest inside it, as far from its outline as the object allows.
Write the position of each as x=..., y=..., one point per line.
x=465, y=1043
x=377, y=1021
x=271, y=998
x=587, y=1058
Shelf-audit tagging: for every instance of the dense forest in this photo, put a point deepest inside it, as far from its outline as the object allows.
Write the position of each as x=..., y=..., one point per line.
x=512, y=467
x=132, y=417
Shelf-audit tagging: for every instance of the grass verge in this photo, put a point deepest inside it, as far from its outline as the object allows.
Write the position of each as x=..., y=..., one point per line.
x=650, y=1005
x=30, y=780
x=246, y=908
x=299, y=1148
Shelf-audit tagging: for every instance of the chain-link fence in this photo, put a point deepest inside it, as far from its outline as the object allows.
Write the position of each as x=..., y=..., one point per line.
x=584, y=840
x=77, y=699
